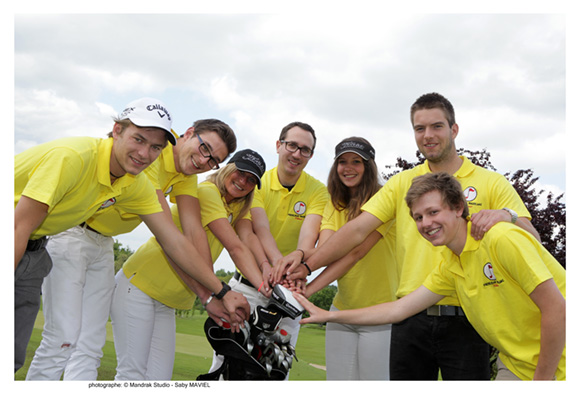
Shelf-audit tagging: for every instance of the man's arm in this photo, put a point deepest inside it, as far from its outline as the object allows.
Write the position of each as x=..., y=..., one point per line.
x=306, y=242
x=248, y=237
x=352, y=234
x=261, y=227
x=190, y=219
x=485, y=219
x=552, y=306
x=340, y=267
x=385, y=313
x=185, y=255
x=28, y=215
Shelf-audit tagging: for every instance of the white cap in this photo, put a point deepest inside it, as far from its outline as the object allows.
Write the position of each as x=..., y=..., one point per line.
x=150, y=112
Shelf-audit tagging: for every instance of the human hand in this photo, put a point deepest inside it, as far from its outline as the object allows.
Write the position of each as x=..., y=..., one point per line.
x=299, y=274
x=216, y=310
x=298, y=285
x=286, y=265
x=485, y=219
x=265, y=288
x=317, y=315
x=237, y=308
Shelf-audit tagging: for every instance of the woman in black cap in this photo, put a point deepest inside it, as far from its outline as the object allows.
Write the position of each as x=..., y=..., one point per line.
x=356, y=352
x=143, y=311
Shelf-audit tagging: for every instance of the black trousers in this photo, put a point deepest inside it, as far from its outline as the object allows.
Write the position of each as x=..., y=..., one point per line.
x=422, y=344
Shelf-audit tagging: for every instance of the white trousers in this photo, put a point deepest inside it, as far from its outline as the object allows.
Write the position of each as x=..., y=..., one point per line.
x=292, y=326
x=144, y=333
x=76, y=301
x=356, y=352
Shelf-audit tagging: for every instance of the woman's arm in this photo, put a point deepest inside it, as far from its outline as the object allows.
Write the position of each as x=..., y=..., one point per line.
x=249, y=238
x=240, y=253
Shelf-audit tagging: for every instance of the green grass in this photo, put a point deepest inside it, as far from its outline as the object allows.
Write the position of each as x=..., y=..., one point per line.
x=194, y=354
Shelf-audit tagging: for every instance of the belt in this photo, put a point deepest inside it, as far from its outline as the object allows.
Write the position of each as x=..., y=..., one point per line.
x=243, y=280
x=36, y=244
x=445, y=310
x=85, y=225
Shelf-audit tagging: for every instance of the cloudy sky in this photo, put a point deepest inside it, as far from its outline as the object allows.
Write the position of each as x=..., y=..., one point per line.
x=344, y=73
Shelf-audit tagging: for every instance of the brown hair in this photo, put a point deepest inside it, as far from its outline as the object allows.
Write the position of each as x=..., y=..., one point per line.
x=303, y=126
x=340, y=194
x=434, y=100
x=224, y=131
x=449, y=187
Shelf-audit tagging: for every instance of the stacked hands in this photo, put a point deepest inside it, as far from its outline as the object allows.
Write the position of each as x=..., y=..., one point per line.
x=288, y=272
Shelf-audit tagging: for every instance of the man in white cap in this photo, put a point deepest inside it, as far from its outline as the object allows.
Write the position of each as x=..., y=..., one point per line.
x=61, y=184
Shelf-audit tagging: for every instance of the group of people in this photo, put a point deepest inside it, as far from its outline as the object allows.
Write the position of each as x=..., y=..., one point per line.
x=426, y=279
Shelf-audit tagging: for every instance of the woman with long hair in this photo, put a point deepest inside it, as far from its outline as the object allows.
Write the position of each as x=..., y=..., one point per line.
x=149, y=287
x=367, y=276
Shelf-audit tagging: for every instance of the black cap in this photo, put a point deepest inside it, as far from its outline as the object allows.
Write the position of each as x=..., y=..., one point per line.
x=362, y=149
x=250, y=161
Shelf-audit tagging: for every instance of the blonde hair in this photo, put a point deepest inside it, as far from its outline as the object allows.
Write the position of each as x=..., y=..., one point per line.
x=219, y=177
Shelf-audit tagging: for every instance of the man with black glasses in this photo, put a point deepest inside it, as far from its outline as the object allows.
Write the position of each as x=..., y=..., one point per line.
x=286, y=212
x=77, y=293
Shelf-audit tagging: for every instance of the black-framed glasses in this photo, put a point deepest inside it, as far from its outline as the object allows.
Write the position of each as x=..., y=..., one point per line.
x=204, y=150
x=293, y=147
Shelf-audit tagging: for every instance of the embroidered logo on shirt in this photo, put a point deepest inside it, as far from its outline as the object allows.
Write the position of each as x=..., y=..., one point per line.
x=470, y=193
x=488, y=271
x=489, y=274
x=300, y=208
x=108, y=203
x=169, y=190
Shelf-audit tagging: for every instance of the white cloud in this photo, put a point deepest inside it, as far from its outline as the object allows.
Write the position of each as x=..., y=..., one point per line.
x=345, y=73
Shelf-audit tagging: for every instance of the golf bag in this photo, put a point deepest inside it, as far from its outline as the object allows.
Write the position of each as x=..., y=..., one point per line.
x=261, y=350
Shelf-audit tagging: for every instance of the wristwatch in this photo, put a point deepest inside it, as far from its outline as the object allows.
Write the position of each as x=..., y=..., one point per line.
x=513, y=214
x=222, y=293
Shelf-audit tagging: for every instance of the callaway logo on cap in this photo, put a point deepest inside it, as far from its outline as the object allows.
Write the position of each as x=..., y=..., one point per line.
x=150, y=112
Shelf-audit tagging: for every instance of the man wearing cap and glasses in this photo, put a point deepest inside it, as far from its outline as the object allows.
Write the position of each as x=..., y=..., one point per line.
x=90, y=175
x=287, y=210
x=439, y=338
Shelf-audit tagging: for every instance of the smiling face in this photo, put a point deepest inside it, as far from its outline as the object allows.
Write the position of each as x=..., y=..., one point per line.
x=437, y=222
x=239, y=184
x=135, y=148
x=350, y=169
x=188, y=158
x=291, y=164
x=433, y=135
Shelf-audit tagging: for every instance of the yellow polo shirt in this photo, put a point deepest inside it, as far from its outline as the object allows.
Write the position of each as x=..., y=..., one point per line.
x=493, y=279
x=373, y=280
x=163, y=176
x=71, y=176
x=149, y=269
x=286, y=210
x=416, y=257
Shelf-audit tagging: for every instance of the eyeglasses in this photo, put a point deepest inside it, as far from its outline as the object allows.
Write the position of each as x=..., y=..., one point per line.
x=293, y=147
x=204, y=150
